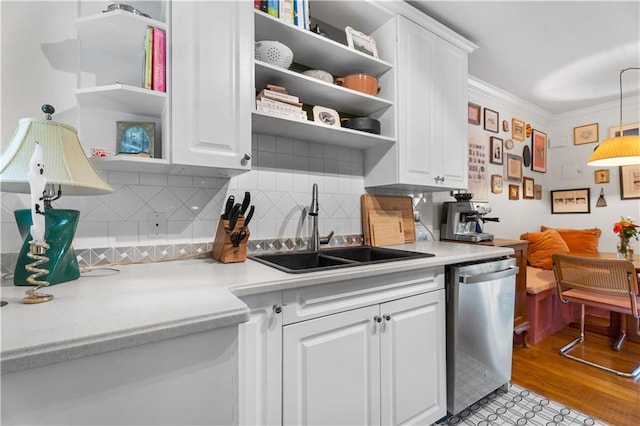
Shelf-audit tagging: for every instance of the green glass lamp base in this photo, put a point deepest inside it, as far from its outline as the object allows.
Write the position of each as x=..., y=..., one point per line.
x=60, y=228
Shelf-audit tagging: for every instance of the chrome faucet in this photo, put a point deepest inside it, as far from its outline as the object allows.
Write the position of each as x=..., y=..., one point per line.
x=314, y=209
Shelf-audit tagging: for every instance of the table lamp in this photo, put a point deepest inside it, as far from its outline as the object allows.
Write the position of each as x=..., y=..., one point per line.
x=66, y=170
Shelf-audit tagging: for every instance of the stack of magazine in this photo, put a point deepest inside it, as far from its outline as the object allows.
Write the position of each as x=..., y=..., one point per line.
x=276, y=101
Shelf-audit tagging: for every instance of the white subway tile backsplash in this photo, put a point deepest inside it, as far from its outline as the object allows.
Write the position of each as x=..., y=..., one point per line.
x=266, y=143
x=180, y=180
x=283, y=172
x=284, y=145
x=124, y=178
x=149, y=179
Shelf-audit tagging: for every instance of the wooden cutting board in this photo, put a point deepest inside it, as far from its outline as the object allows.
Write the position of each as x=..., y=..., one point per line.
x=385, y=228
x=388, y=203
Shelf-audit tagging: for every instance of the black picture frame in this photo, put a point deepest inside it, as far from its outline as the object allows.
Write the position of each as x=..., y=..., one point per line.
x=571, y=201
x=497, y=151
x=491, y=120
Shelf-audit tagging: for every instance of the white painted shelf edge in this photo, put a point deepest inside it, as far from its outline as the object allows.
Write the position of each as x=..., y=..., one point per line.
x=314, y=132
x=129, y=163
x=125, y=98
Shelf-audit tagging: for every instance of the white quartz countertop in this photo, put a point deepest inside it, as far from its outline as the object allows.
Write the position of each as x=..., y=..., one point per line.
x=105, y=310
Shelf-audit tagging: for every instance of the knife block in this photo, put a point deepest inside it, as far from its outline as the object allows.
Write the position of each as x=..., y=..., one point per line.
x=223, y=249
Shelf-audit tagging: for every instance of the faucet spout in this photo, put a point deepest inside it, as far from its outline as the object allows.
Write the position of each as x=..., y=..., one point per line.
x=314, y=209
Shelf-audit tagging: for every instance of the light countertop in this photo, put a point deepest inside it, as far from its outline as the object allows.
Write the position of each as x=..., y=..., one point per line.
x=105, y=310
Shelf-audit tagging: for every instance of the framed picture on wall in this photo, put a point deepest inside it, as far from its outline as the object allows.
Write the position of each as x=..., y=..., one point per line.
x=537, y=191
x=491, y=120
x=473, y=113
x=527, y=188
x=514, y=192
x=627, y=130
x=601, y=176
x=570, y=201
x=585, y=134
x=496, y=184
x=539, y=151
x=517, y=129
x=497, y=150
x=513, y=168
x=630, y=182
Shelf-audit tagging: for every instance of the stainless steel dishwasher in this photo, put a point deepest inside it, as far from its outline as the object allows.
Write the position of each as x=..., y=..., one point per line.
x=480, y=303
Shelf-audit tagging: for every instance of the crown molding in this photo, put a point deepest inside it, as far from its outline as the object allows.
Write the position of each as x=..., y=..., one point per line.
x=482, y=88
x=606, y=107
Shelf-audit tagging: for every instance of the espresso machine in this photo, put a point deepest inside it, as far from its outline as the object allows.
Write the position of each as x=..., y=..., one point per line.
x=463, y=219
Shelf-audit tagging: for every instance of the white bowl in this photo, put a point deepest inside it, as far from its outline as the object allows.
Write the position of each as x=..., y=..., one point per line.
x=319, y=74
x=274, y=53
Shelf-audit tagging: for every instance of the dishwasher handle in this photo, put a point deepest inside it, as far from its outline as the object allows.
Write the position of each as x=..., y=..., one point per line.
x=489, y=276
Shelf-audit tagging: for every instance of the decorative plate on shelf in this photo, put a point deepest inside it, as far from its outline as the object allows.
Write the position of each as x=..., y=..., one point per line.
x=326, y=116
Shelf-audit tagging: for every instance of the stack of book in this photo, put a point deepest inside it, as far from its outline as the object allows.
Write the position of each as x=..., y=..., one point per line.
x=295, y=12
x=155, y=65
x=276, y=101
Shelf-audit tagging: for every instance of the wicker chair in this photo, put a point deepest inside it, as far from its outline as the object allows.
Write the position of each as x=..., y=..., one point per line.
x=604, y=283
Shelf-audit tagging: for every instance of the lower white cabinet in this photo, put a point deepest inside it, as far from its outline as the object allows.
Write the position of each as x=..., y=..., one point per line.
x=260, y=361
x=380, y=364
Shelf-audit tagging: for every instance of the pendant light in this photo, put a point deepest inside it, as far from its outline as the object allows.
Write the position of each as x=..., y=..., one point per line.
x=620, y=150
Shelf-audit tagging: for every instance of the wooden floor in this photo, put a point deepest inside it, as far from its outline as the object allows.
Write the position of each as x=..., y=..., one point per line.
x=604, y=396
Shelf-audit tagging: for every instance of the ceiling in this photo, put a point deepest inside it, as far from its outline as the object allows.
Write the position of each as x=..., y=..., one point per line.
x=558, y=55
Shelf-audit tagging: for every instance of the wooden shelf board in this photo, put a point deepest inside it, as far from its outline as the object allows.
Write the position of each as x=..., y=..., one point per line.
x=130, y=163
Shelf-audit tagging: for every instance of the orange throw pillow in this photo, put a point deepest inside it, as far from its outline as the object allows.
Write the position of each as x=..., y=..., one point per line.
x=579, y=240
x=542, y=245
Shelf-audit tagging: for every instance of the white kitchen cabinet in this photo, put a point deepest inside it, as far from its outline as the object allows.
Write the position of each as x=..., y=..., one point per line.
x=260, y=361
x=380, y=364
x=211, y=87
x=431, y=148
x=413, y=364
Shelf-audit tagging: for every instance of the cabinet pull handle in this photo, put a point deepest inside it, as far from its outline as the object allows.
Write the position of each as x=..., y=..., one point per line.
x=377, y=319
x=277, y=309
x=387, y=317
x=245, y=158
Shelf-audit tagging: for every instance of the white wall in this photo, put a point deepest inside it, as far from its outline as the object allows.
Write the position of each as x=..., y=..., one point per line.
x=569, y=169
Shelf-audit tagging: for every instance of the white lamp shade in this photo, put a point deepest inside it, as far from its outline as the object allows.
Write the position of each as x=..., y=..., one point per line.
x=65, y=162
x=618, y=151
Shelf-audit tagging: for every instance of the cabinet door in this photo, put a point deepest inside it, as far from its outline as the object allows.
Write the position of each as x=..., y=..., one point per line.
x=260, y=361
x=412, y=360
x=452, y=141
x=331, y=370
x=212, y=71
x=416, y=126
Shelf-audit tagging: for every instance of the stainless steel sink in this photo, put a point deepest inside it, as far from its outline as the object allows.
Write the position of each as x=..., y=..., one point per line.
x=342, y=257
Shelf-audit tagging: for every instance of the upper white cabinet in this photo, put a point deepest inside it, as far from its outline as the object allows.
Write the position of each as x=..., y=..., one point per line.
x=111, y=83
x=431, y=148
x=212, y=91
x=312, y=51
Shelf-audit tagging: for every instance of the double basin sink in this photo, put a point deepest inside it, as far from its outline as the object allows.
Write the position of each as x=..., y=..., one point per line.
x=342, y=257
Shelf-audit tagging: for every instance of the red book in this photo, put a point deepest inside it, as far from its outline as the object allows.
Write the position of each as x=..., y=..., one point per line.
x=159, y=64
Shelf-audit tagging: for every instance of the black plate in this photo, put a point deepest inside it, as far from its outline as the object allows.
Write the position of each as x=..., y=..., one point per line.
x=526, y=156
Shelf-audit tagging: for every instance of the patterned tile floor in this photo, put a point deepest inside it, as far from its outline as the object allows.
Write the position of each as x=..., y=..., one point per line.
x=518, y=407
